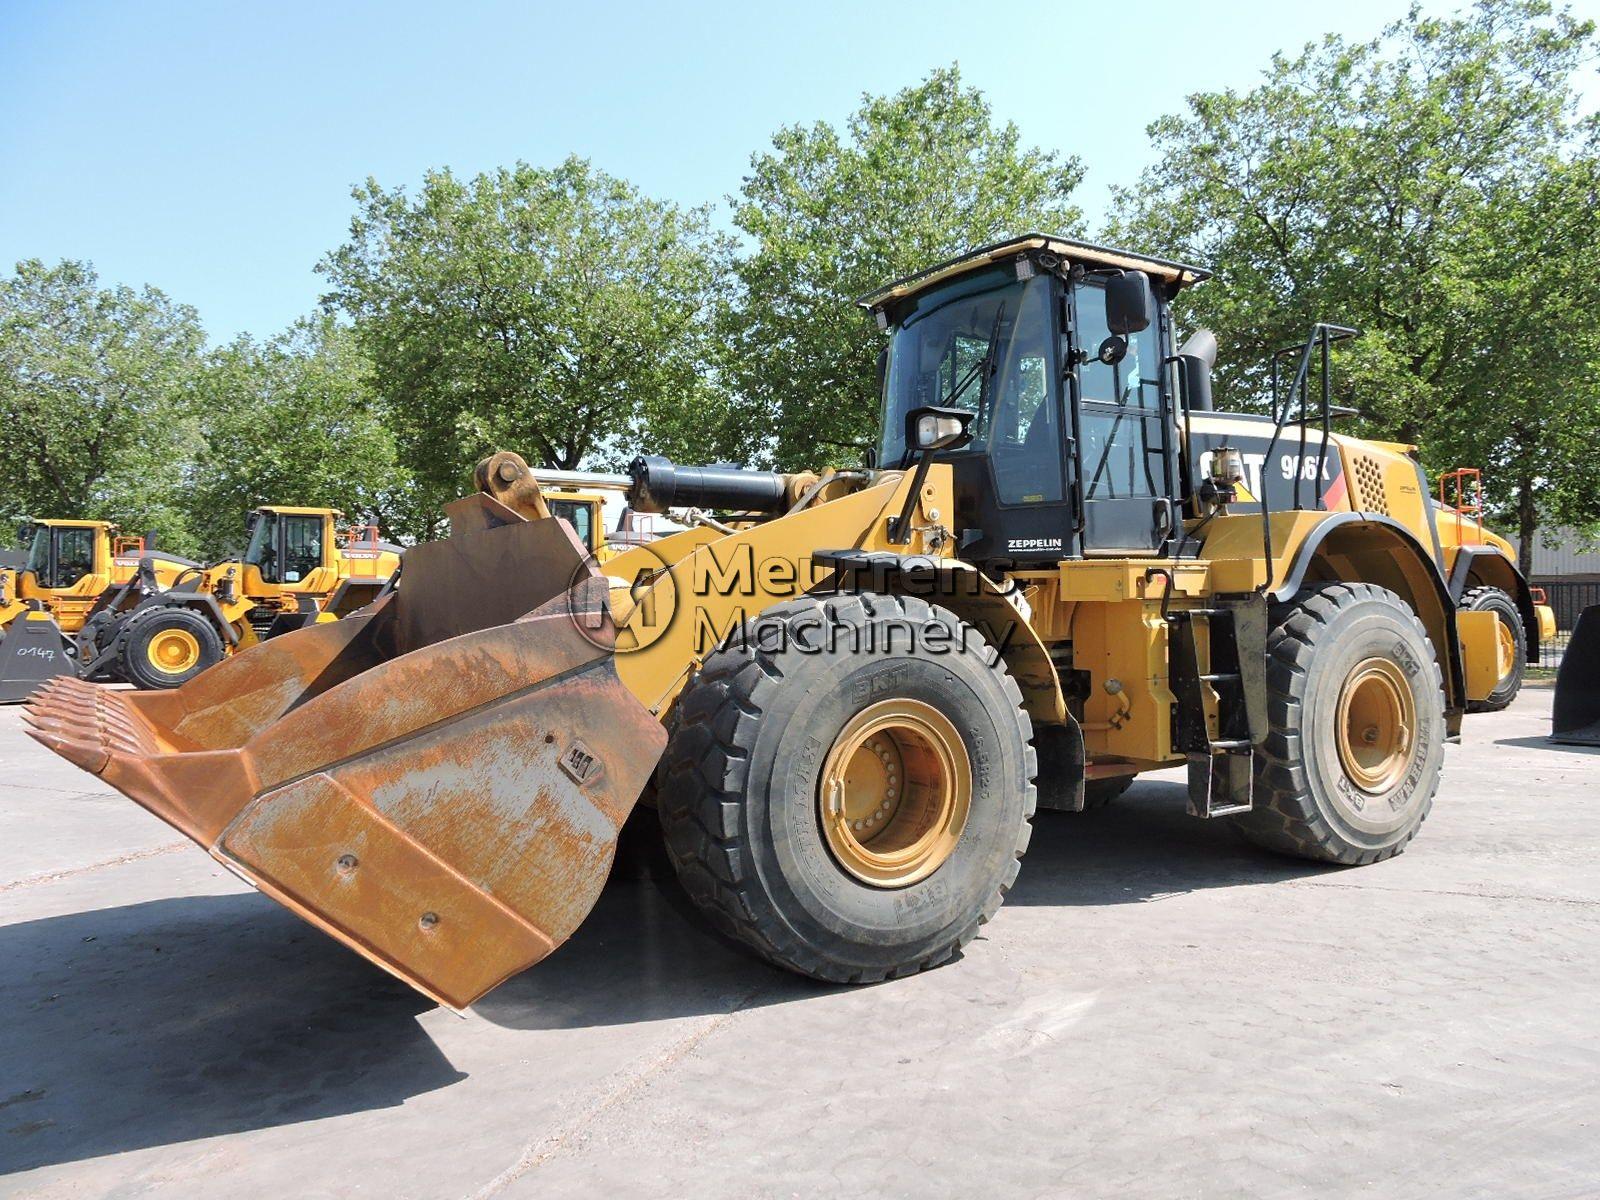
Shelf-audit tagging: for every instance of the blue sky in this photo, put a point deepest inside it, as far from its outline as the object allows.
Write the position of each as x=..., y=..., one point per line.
x=209, y=148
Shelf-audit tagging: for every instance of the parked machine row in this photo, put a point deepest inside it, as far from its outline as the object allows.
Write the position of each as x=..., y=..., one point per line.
x=88, y=601
x=96, y=605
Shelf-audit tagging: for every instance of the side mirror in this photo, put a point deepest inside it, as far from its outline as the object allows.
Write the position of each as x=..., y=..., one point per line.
x=1130, y=304
x=250, y=520
x=929, y=429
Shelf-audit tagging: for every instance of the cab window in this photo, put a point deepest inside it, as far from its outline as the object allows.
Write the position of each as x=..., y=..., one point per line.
x=302, y=547
x=577, y=513
x=74, y=556
x=39, y=554
x=1120, y=446
x=941, y=356
x=263, y=549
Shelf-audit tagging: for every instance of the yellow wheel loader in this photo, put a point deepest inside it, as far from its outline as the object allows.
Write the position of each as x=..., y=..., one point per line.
x=46, y=599
x=596, y=505
x=297, y=569
x=846, y=695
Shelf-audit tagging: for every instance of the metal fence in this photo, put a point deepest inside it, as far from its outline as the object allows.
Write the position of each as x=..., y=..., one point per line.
x=1568, y=598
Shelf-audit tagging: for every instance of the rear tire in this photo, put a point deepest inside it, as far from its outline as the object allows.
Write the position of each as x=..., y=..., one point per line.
x=1356, y=740
x=1514, y=641
x=166, y=647
x=755, y=805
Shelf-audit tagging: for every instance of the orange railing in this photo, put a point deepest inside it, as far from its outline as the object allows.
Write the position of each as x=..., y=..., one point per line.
x=1461, y=491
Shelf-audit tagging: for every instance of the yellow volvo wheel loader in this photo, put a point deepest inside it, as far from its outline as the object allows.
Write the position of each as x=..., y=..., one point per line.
x=847, y=695
x=296, y=570
x=46, y=599
x=596, y=505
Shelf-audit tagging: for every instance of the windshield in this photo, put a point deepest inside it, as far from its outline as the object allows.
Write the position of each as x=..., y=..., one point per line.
x=941, y=356
x=39, y=552
x=263, y=548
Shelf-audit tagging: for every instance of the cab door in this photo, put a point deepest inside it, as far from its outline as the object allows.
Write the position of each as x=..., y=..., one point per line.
x=302, y=557
x=1123, y=458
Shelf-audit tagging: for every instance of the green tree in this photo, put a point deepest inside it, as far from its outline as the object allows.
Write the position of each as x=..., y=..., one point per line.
x=293, y=420
x=96, y=411
x=1369, y=184
x=914, y=178
x=1533, y=423
x=557, y=312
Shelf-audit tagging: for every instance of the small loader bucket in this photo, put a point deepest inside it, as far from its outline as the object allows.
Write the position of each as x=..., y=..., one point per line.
x=437, y=781
x=33, y=650
x=1576, y=720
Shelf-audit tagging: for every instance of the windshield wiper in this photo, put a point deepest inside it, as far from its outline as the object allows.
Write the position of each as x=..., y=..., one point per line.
x=983, y=367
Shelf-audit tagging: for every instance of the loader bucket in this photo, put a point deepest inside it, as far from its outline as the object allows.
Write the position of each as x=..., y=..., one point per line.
x=1576, y=720
x=33, y=650
x=437, y=781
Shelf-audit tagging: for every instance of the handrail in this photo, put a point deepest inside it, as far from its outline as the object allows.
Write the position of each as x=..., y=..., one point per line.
x=1322, y=336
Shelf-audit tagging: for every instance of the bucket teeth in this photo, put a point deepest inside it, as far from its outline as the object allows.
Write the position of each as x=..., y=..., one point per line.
x=92, y=757
x=83, y=723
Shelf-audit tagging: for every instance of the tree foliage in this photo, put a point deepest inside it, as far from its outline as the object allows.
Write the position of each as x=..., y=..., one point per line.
x=96, y=400
x=293, y=420
x=1430, y=185
x=914, y=178
x=557, y=311
x=1410, y=185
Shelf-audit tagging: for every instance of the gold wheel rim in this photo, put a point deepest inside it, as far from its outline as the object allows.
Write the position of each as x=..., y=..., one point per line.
x=1507, y=648
x=895, y=792
x=173, y=651
x=1377, y=725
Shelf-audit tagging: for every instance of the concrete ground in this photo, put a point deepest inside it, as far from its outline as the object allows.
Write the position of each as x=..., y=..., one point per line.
x=1158, y=1011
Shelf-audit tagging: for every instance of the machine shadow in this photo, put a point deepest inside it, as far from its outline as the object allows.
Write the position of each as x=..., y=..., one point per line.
x=1142, y=846
x=1544, y=743
x=184, y=1018
x=644, y=954
x=190, y=1017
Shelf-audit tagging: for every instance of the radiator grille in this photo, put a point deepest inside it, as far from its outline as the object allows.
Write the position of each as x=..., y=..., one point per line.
x=1370, y=495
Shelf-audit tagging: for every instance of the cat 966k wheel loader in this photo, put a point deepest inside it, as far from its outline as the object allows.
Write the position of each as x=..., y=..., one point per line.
x=847, y=692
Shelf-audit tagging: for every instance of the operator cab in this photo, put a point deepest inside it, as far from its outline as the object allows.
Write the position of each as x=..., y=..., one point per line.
x=286, y=546
x=61, y=554
x=1060, y=351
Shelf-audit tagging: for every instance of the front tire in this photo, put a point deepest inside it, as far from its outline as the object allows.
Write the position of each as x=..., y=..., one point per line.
x=166, y=647
x=840, y=797
x=1356, y=741
x=1513, y=646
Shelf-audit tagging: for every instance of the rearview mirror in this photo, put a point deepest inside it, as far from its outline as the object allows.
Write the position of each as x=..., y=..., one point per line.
x=930, y=428
x=1130, y=304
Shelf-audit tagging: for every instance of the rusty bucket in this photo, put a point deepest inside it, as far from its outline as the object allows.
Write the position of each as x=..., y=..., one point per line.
x=436, y=781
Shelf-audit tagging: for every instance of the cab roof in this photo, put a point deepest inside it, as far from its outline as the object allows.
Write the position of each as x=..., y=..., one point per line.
x=1175, y=274
x=70, y=523
x=291, y=511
